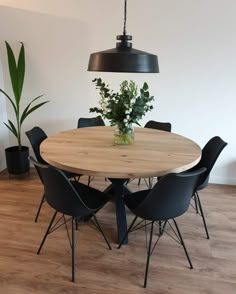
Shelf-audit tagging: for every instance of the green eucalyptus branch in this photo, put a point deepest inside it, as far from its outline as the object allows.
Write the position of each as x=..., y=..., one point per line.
x=127, y=106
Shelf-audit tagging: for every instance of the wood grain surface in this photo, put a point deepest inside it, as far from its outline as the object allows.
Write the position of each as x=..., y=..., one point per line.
x=91, y=151
x=103, y=271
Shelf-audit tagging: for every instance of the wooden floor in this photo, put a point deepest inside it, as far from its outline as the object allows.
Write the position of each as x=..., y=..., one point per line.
x=99, y=270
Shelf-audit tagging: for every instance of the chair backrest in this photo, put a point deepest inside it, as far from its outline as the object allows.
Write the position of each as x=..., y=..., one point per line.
x=210, y=153
x=90, y=122
x=36, y=136
x=170, y=197
x=163, y=126
x=59, y=191
x=36, y=165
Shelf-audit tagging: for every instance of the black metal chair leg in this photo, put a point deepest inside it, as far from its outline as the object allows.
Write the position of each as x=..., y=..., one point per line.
x=148, y=256
x=90, y=180
x=76, y=224
x=104, y=236
x=196, y=202
x=150, y=182
x=127, y=232
x=160, y=228
x=73, y=249
x=47, y=232
x=202, y=214
x=139, y=180
x=39, y=209
x=182, y=243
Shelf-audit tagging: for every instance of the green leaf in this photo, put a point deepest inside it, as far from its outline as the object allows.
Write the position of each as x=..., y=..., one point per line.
x=36, y=107
x=21, y=70
x=95, y=109
x=24, y=113
x=145, y=86
x=146, y=94
x=9, y=98
x=13, y=72
x=12, y=128
x=27, y=111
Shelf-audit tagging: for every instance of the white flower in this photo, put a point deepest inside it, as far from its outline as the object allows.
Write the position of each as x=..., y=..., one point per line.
x=132, y=101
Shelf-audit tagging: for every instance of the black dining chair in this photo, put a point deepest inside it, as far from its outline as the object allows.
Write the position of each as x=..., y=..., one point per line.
x=157, y=125
x=169, y=198
x=70, y=198
x=85, y=122
x=210, y=153
x=36, y=136
x=162, y=126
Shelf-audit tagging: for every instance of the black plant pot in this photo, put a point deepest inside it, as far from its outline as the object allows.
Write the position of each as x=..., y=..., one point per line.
x=17, y=161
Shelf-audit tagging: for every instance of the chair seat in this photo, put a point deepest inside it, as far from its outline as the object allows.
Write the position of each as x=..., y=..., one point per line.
x=92, y=198
x=203, y=185
x=135, y=199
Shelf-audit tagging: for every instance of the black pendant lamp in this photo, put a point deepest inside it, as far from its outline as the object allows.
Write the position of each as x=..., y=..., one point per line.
x=123, y=58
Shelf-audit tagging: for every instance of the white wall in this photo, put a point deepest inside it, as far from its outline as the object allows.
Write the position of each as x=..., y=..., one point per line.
x=195, y=42
x=4, y=139
x=52, y=45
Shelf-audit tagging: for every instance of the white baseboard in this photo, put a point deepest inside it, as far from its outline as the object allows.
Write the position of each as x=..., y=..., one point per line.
x=223, y=180
x=2, y=167
x=213, y=179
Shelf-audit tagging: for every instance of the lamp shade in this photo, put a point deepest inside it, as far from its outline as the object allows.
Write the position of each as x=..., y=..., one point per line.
x=123, y=59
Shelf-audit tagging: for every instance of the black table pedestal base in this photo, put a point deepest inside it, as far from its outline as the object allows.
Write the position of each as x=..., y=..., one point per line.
x=116, y=191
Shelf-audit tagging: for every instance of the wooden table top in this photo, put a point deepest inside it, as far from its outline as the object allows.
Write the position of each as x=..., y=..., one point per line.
x=91, y=151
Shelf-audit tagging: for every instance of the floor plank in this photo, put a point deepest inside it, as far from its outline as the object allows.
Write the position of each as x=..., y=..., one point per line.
x=99, y=270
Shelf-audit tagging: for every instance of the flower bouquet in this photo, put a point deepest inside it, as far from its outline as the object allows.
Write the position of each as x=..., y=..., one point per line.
x=124, y=108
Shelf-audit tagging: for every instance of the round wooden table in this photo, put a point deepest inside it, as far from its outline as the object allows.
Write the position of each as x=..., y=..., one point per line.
x=91, y=151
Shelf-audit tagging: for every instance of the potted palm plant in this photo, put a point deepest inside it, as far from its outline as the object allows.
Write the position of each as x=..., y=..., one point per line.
x=17, y=156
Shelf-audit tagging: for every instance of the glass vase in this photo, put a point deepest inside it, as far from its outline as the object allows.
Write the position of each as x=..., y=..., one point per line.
x=124, y=136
